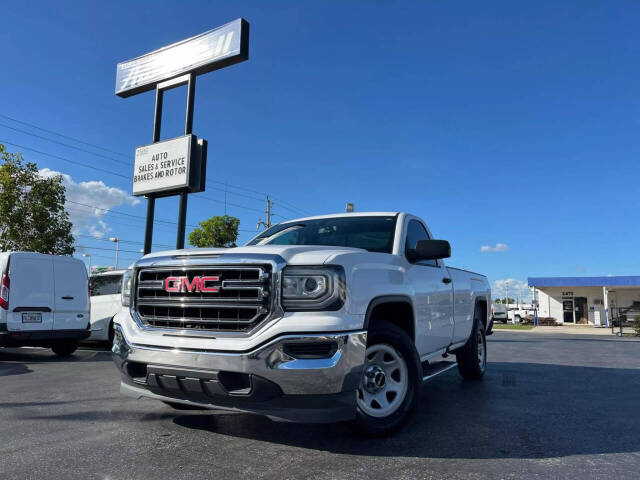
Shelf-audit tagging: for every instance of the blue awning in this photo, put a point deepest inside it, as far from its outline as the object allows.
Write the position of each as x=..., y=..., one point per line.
x=624, y=281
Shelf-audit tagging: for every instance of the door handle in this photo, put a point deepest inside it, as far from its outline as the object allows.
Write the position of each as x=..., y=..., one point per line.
x=67, y=298
x=446, y=280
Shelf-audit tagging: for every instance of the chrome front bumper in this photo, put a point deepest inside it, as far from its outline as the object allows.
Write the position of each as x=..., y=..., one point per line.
x=277, y=385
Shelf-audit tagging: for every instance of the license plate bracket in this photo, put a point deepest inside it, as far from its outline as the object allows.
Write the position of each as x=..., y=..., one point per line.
x=32, y=317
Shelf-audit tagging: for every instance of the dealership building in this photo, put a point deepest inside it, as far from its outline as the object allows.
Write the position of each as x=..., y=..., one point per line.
x=586, y=300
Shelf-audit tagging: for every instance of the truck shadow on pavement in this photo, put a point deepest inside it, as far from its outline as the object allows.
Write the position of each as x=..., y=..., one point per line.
x=15, y=361
x=519, y=410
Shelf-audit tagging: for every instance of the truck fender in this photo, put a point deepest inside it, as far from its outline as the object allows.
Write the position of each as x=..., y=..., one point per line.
x=382, y=299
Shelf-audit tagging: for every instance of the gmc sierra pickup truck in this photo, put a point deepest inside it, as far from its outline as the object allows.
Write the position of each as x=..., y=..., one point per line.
x=328, y=318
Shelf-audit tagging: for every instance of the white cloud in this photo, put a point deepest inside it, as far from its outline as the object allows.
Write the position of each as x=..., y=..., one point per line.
x=517, y=288
x=500, y=247
x=94, y=193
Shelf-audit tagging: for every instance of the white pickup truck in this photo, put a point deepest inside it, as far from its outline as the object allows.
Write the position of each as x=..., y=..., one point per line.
x=329, y=318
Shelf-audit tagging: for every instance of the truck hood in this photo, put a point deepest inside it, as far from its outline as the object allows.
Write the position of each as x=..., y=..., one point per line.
x=292, y=254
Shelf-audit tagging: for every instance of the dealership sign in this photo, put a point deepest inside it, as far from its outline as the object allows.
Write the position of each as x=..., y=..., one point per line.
x=169, y=166
x=217, y=48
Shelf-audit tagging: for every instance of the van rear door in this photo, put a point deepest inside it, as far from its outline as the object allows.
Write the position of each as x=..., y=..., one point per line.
x=71, y=290
x=31, y=302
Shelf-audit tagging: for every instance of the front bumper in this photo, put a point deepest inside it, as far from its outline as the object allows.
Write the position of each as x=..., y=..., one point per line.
x=265, y=380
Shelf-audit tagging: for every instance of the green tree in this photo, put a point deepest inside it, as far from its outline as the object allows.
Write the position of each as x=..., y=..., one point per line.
x=216, y=232
x=504, y=300
x=32, y=214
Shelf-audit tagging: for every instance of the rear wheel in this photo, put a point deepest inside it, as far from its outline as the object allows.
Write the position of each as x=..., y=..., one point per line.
x=472, y=357
x=391, y=381
x=64, y=349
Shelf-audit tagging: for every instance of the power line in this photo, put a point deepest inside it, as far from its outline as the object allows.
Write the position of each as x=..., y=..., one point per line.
x=260, y=193
x=107, y=211
x=135, y=223
x=117, y=174
x=229, y=203
x=75, y=139
x=131, y=242
x=168, y=222
x=107, y=249
x=110, y=258
x=82, y=164
x=64, y=136
x=283, y=204
x=129, y=164
x=235, y=193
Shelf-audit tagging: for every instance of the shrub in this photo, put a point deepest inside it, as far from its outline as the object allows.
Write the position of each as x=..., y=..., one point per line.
x=636, y=325
x=547, y=322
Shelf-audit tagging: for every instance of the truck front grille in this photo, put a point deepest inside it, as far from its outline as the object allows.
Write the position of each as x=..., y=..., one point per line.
x=213, y=298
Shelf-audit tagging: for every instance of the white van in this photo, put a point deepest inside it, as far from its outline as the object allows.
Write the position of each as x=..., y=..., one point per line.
x=44, y=301
x=499, y=312
x=106, y=301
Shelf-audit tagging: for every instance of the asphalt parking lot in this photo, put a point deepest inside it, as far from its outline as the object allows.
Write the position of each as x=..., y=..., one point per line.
x=550, y=406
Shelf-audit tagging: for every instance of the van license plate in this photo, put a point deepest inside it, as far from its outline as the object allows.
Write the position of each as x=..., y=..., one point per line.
x=32, y=317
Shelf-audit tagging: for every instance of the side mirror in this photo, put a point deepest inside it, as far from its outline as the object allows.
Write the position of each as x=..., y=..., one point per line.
x=431, y=250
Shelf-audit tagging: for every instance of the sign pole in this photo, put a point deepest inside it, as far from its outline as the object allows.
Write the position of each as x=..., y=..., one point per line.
x=151, y=199
x=188, y=129
x=177, y=166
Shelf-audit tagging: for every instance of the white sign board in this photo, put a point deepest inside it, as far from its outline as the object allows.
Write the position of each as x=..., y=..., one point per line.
x=211, y=50
x=162, y=166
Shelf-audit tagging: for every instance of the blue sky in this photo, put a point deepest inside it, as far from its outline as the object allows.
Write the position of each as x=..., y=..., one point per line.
x=510, y=123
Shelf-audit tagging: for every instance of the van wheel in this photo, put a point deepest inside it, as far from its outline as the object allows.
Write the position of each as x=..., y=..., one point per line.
x=391, y=381
x=64, y=349
x=472, y=357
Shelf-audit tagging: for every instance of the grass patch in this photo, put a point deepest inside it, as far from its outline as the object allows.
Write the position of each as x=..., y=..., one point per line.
x=510, y=326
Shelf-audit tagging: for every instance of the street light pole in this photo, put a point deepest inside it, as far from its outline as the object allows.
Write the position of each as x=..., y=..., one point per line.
x=89, y=256
x=117, y=241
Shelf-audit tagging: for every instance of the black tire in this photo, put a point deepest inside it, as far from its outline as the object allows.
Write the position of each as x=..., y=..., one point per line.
x=183, y=406
x=470, y=364
x=65, y=349
x=393, y=336
x=111, y=332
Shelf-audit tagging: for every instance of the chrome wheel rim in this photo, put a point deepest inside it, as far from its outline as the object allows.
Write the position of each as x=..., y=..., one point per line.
x=482, y=359
x=384, y=381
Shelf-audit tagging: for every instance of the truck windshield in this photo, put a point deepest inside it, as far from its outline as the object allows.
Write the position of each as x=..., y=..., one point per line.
x=374, y=233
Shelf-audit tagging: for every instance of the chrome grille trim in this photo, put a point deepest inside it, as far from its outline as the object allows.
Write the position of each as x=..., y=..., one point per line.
x=226, y=316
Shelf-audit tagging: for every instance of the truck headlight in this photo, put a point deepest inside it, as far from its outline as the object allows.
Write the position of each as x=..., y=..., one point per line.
x=313, y=288
x=127, y=286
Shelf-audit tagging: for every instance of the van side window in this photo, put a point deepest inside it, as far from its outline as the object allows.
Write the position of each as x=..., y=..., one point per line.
x=415, y=233
x=106, y=285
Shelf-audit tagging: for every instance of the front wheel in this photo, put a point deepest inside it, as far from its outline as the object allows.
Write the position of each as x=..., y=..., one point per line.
x=391, y=381
x=472, y=357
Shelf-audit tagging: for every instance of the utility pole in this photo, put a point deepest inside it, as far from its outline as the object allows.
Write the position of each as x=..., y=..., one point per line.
x=267, y=224
x=117, y=242
x=507, y=299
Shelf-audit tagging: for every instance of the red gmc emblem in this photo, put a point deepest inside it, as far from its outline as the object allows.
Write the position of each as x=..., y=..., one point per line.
x=197, y=284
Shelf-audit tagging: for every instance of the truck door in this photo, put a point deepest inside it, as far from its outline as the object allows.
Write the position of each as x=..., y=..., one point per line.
x=433, y=298
x=71, y=290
